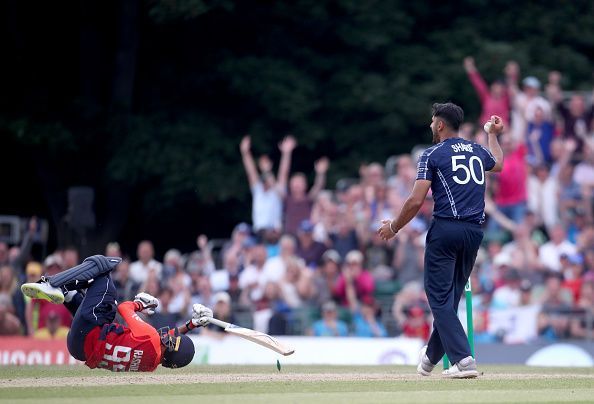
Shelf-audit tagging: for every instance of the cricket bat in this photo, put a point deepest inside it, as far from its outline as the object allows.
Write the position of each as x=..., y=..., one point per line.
x=255, y=336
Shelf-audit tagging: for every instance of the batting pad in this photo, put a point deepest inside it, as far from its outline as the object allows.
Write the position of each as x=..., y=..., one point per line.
x=90, y=268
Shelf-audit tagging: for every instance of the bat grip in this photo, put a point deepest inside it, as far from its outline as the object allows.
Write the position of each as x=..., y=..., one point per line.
x=220, y=323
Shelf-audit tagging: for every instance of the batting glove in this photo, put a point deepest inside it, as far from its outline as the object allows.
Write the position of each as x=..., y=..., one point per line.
x=201, y=315
x=146, y=303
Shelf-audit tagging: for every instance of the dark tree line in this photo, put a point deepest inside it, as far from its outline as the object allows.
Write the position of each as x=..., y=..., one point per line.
x=146, y=101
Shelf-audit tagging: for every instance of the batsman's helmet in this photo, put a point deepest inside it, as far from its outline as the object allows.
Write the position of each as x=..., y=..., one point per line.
x=179, y=348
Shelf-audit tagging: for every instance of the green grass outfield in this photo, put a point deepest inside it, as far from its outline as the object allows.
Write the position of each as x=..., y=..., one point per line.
x=294, y=384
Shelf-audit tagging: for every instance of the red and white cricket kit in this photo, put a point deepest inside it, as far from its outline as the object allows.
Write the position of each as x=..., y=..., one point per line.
x=135, y=348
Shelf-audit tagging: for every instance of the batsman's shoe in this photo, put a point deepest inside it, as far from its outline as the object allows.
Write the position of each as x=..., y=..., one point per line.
x=425, y=366
x=464, y=369
x=43, y=290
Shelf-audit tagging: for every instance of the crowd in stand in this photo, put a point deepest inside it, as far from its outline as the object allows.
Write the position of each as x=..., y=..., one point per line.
x=309, y=262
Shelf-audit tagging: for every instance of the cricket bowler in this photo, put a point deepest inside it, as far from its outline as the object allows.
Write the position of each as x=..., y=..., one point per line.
x=94, y=336
x=454, y=169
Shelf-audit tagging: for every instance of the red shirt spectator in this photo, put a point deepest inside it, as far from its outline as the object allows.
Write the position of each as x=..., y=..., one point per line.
x=353, y=271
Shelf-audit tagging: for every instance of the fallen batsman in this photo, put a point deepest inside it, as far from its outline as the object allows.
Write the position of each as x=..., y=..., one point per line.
x=87, y=290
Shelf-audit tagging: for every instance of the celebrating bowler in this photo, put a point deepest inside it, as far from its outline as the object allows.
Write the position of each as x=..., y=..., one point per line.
x=454, y=169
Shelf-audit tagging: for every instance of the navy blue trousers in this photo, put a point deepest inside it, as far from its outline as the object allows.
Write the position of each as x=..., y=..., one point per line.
x=450, y=253
x=94, y=308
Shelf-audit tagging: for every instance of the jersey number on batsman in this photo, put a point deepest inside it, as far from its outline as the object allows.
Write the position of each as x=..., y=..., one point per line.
x=119, y=354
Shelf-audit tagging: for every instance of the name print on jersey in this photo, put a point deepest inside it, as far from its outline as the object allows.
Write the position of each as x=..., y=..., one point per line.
x=459, y=147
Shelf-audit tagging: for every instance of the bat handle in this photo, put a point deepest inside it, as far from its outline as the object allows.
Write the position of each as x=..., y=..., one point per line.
x=220, y=323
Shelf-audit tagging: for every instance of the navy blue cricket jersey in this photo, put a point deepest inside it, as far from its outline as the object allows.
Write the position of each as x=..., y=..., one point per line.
x=456, y=169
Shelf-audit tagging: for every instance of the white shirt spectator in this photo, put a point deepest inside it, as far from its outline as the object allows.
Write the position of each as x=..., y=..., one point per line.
x=267, y=207
x=549, y=253
x=139, y=271
x=252, y=275
x=274, y=269
x=543, y=200
x=505, y=297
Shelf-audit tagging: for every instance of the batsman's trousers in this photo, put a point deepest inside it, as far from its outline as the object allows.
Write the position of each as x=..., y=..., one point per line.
x=450, y=253
x=94, y=308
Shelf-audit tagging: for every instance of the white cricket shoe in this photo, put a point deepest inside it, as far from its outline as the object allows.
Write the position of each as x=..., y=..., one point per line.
x=425, y=366
x=464, y=369
x=43, y=290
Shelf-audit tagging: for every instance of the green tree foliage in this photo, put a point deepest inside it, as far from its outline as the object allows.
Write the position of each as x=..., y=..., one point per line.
x=351, y=79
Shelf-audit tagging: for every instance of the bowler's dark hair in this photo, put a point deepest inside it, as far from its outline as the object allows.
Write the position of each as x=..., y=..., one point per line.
x=450, y=113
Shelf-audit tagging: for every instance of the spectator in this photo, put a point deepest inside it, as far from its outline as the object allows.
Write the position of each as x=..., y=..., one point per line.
x=272, y=311
x=343, y=236
x=172, y=262
x=17, y=256
x=53, y=328
x=550, y=252
x=510, y=187
x=139, y=270
x=252, y=279
x=577, y=119
x=508, y=295
x=494, y=100
x=409, y=255
x=353, y=276
x=235, y=246
x=539, y=136
x=222, y=310
x=267, y=193
x=524, y=102
x=298, y=202
x=542, y=196
x=416, y=324
x=164, y=315
x=37, y=310
x=70, y=257
x=366, y=320
x=9, y=323
x=329, y=325
x=297, y=285
x=221, y=278
x=126, y=287
x=9, y=287
x=201, y=292
x=276, y=267
x=113, y=249
x=309, y=249
x=581, y=324
x=410, y=295
x=326, y=276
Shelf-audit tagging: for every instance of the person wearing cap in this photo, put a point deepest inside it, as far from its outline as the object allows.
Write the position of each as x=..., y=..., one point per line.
x=353, y=276
x=329, y=325
x=37, y=310
x=310, y=250
x=524, y=102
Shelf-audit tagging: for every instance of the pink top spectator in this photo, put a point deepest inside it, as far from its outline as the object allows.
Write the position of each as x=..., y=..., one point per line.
x=512, y=179
x=490, y=105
